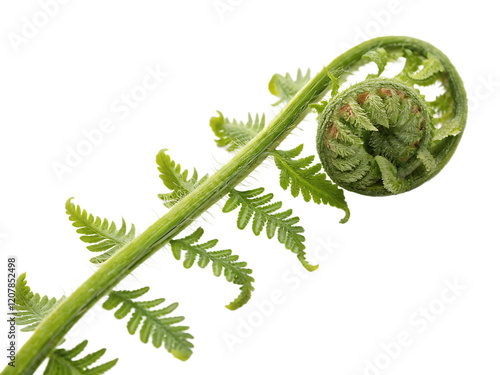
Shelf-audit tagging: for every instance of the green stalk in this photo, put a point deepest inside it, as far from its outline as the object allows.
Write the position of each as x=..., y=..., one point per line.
x=53, y=328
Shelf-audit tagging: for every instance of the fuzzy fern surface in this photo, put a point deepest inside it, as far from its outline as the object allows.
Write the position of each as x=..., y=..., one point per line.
x=102, y=235
x=63, y=362
x=161, y=329
x=223, y=260
x=31, y=308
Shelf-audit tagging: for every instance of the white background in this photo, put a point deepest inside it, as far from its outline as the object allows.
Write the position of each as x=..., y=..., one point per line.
x=394, y=256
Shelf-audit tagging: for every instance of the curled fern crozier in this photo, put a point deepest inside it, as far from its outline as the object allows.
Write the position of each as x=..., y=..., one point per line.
x=381, y=136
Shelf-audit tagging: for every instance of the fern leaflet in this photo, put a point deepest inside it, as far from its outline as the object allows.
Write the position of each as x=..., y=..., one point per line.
x=102, y=235
x=154, y=324
x=175, y=179
x=301, y=177
x=234, y=134
x=379, y=57
x=253, y=204
x=234, y=270
x=412, y=64
x=31, y=308
x=62, y=362
x=286, y=87
x=429, y=72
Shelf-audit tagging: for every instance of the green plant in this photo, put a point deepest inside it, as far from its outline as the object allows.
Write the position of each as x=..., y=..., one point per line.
x=377, y=137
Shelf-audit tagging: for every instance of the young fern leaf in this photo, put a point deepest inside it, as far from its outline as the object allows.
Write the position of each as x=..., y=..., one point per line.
x=154, y=324
x=175, y=179
x=301, y=177
x=63, y=362
x=379, y=57
x=412, y=64
x=286, y=87
x=429, y=72
x=102, y=235
x=253, y=204
x=222, y=260
x=31, y=308
x=234, y=134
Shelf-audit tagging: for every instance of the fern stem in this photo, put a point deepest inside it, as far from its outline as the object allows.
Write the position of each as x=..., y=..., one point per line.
x=52, y=329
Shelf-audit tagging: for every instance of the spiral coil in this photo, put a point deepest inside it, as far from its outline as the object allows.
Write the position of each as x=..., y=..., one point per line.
x=381, y=137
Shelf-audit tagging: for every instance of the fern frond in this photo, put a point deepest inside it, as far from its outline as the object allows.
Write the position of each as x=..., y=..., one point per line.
x=253, y=204
x=102, y=235
x=63, y=362
x=392, y=182
x=412, y=63
x=319, y=107
x=223, y=260
x=428, y=74
x=31, y=308
x=234, y=134
x=379, y=57
x=443, y=103
x=448, y=128
x=175, y=179
x=286, y=87
x=301, y=177
x=431, y=66
x=154, y=324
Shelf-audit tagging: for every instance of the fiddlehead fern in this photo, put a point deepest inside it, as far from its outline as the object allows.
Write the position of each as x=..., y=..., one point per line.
x=380, y=136
x=191, y=197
